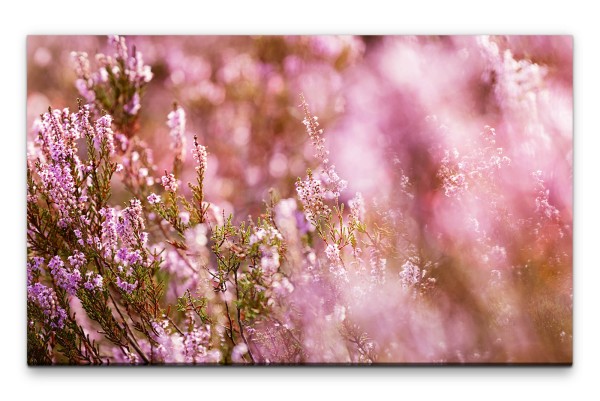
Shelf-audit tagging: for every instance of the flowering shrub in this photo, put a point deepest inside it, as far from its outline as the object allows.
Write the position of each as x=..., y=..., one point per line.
x=239, y=242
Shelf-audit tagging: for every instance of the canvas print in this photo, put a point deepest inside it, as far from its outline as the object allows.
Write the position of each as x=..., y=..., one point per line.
x=299, y=200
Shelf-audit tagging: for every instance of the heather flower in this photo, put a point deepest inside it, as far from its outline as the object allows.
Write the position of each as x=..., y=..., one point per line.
x=134, y=105
x=57, y=134
x=109, y=230
x=77, y=260
x=514, y=79
x=269, y=259
x=454, y=182
x=154, y=199
x=282, y=286
x=104, y=133
x=170, y=345
x=457, y=171
x=122, y=143
x=200, y=156
x=378, y=266
x=410, y=274
x=120, y=46
x=333, y=253
x=82, y=64
x=169, y=182
x=65, y=279
x=196, y=346
x=130, y=225
x=268, y=239
x=542, y=203
x=33, y=268
x=45, y=298
x=93, y=282
x=137, y=71
x=128, y=257
x=258, y=236
x=85, y=89
x=357, y=208
x=315, y=133
x=176, y=122
x=312, y=196
x=100, y=76
x=126, y=286
x=124, y=282
x=334, y=184
x=59, y=184
x=79, y=236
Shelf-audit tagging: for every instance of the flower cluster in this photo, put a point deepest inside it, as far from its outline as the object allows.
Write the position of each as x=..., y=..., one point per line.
x=176, y=123
x=200, y=156
x=118, y=84
x=267, y=239
x=312, y=195
x=130, y=226
x=169, y=182
x=46, y=299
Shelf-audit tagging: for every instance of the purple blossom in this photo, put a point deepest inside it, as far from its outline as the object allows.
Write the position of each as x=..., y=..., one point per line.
x=312, y=196
x=46, y=299
x=86, y=90
x=59, y=184
x=333, y=253
x=176, y=122
x=78, y=260
x=100, y=76
x=119, y=44
x=65, y=279
x=196, y=344
x=82, y=64
x=357, y=208
x=154, y=199
x=122, y=142
x=134, y=105
x=128, y=257
x=334, y=184
x=200, y=156
x=269, y=259
x=302, y=223
x=135, y=69
x=79, y=237
x=169, y=182
x=410, y=274
x=131, y=225
x=315, y=133
x=93, y=281
x=109, y=230
x=104, y=132
x=33, y=266
x=126, y=286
